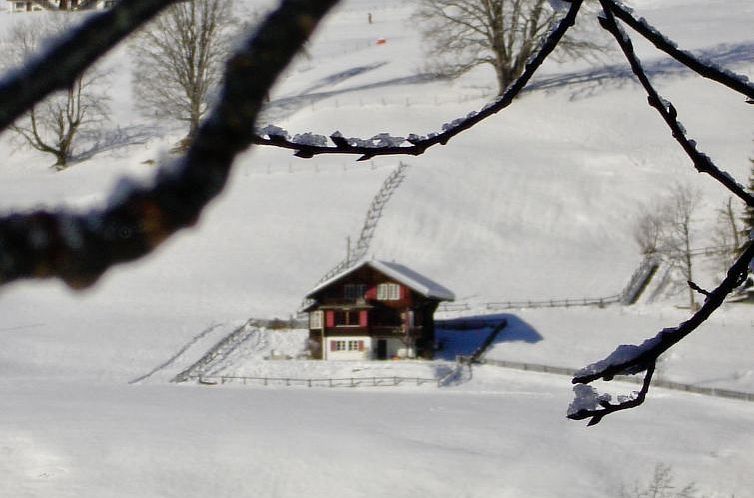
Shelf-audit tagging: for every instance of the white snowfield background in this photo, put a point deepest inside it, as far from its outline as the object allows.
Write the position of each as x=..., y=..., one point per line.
x=535, y=203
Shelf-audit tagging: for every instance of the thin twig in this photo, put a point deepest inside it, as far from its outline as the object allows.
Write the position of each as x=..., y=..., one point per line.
x=698, y=289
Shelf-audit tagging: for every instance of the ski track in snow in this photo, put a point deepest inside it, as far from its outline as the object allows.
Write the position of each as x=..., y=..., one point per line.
x=173, y=359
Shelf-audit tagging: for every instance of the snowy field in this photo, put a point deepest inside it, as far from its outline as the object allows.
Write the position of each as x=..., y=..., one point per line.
x=536, y=203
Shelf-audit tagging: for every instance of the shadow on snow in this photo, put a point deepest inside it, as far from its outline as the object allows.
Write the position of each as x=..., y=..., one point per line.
x=462, y=336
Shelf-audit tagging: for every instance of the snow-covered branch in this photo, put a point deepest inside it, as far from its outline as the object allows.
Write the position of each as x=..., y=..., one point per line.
x=708, y=69
x=310, y=145
x=78, y=248
x=633, y=359
x=702, y=162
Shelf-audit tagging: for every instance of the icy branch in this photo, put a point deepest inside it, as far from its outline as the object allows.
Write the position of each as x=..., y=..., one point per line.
x=708, y=69
x=78, y=248
x=702, y=162
x=417, y=144
x=630, y=360
x=588, y=403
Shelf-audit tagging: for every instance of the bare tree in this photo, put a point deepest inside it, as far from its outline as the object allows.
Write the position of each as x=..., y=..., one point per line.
x=54, y=125
x=665, y=228
x=180, y=57
x=726, y=235
x=463, y=34
x=678, y=236
x=748, y=215
x=648, y=230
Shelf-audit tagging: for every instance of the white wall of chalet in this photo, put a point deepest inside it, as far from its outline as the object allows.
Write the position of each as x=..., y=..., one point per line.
x=348, y=348
x=363, y=348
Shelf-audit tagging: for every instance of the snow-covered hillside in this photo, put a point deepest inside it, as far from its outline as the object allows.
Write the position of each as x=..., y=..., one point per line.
x=535, y=203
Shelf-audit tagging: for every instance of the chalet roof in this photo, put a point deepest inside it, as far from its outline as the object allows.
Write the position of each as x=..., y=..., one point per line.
x=401, y=274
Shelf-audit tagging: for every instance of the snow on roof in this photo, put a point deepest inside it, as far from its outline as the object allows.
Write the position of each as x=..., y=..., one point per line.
x=402, y=274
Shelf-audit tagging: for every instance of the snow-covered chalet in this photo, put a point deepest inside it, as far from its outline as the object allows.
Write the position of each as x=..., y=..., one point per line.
x=374, y=310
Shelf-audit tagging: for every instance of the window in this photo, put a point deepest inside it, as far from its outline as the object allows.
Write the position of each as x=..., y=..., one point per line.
x=388, y=292
x=352, y=345
x=315, y=320
x=353, y=291
x=348, y=318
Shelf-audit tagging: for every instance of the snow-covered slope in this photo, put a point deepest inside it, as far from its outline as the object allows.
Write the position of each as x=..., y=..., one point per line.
x=534, y=203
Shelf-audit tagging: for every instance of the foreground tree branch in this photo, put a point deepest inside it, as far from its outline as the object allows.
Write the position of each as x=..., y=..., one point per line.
x=704, y=68
x=702, y=162
x=78, y=248
x=630, y=360
x=58, y=68
x=309, y=145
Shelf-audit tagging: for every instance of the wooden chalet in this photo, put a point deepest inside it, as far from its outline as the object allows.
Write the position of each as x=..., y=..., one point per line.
x=374, y=310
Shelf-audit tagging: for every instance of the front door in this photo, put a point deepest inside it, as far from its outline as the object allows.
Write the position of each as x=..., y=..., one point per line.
x=382, y=349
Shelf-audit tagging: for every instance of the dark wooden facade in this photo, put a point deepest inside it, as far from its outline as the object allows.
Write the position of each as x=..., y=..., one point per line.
x=367, y=314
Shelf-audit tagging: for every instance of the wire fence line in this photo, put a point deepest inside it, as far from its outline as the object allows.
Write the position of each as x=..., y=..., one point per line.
x=426, y=100
x=544, y=303
x=676, y=386
x=638, y=282
x=314, y=382
x=392, y=381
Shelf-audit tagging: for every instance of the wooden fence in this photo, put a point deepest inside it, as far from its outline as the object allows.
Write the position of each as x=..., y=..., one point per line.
x=544, y=303
x=666, y=384
x=315, y=382
x=396, y=381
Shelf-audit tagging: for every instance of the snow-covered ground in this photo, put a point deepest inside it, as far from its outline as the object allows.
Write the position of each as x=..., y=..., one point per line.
x=535, y=203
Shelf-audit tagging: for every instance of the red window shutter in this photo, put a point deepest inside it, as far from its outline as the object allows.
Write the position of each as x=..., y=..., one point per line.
x=363, y=318
x=371, y=292
x=330, y=318
x=361, y=345
x=333, y=345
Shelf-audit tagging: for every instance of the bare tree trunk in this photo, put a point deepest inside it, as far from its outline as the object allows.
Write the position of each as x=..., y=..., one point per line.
x=463, y=34
x=53, y=126
x=179, y=60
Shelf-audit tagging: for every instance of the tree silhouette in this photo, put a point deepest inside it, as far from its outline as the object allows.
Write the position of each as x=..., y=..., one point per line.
x=53, y=126
x=464, y=34
x=179, y=59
